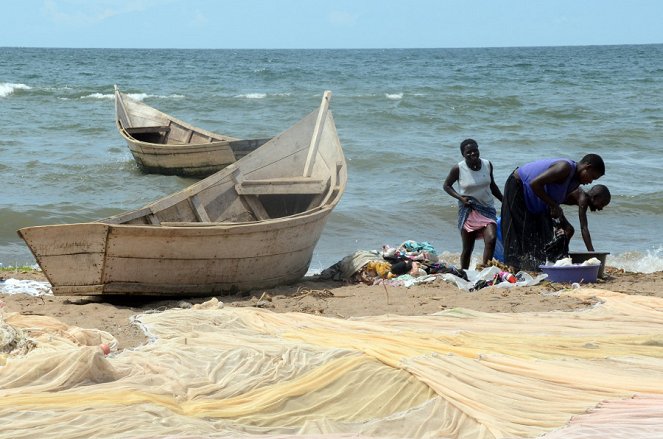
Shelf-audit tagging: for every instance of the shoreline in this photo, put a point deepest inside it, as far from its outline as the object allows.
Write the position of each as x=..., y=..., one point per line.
x=336, y=299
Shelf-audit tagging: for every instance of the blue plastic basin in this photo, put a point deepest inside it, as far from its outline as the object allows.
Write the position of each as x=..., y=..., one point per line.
x=571, y=273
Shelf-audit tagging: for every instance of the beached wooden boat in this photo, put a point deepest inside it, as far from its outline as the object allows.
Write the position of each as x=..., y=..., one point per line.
x=162, y=144
x=251, y=225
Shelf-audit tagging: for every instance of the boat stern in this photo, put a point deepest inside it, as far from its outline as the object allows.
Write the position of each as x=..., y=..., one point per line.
x=70, y=255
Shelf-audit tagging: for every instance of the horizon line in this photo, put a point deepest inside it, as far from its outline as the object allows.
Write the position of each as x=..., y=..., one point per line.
x=333, y=48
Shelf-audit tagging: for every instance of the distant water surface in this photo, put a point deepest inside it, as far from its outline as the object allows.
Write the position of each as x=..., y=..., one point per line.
x=401, y=115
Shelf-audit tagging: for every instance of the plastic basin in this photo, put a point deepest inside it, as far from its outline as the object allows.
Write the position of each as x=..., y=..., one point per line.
x=571, y=273
x=580, y=257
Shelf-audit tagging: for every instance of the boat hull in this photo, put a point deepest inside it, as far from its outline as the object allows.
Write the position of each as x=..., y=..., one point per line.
x=189, y=160
x=96, y=258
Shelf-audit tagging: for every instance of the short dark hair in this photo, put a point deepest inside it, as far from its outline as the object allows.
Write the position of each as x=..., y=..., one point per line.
x=467, y=142
x=595, y=161
x=600, y=191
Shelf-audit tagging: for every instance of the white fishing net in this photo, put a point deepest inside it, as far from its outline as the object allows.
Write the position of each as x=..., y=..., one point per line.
x=211, y=371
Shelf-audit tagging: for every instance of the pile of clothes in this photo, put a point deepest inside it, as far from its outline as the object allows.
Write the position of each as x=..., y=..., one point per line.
x=414, y=263
x=411, y=259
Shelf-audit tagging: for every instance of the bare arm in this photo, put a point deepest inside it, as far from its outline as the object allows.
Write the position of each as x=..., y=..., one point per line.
x=556, y=173
x=493, y=187
x=584, y=226
x=452, y=178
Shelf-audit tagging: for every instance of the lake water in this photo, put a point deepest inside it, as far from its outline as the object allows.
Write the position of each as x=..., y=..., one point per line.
x=401, y=115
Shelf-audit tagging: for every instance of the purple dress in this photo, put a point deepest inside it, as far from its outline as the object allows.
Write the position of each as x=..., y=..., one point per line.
x=526, y=224
x=557, y=191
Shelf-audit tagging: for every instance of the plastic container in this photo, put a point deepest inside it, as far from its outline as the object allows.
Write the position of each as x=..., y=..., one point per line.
x=571, y=273
x=580, y=257
x=499, y=247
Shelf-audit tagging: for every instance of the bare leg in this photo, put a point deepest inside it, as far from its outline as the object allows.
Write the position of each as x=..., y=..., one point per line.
x=489, y=240
x=468, y=245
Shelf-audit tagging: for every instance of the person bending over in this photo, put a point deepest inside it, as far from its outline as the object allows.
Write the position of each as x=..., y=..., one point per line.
x=477, y=216
x=532, y=197
x=594, y=199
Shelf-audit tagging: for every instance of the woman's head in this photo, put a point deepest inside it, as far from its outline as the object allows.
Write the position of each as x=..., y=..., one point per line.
x=590, y=168
x=470, y=150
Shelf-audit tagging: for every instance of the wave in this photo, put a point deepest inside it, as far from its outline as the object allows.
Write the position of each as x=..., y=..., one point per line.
x=252, y=95
x=98, y=96
x=649, y=261
x=134, y=96
x=143, y=96
x=562, y=112
x=639, y=204
x=7, y=88
x=394, y=96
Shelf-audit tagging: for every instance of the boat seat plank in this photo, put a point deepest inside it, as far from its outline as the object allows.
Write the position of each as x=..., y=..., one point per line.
x=256, y=207
x=152, y=219
x=281, y=186
x=152, y=129
x=199, y=209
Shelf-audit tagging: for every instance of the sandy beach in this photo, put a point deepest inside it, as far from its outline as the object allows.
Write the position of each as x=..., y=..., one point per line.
x=326, y=298
x=333, y=359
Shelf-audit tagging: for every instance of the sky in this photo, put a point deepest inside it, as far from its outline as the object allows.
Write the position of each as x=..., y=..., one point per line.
x=314, y=24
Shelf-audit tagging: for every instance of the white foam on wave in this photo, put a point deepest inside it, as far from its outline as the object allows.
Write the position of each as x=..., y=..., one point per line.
x=138, y=96
x=142, y=96
x=7, y=88
x=637, y=262
x=394, y=96
x=252, y=95
x=98, y=96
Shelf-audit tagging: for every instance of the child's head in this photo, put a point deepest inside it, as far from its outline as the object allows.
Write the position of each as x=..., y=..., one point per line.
x=599, y=197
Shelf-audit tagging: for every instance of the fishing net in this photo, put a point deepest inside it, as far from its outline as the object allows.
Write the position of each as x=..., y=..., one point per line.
x=210, y=371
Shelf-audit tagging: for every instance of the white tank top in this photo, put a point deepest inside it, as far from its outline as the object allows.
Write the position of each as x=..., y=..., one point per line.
x=476, y=183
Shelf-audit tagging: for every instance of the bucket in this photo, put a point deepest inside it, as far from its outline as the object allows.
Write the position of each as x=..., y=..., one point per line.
x=580, y=257
x=571, y=273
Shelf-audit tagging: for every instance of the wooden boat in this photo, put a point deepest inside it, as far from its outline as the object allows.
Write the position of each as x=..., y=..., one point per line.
x=251, y=225
x=162, y=144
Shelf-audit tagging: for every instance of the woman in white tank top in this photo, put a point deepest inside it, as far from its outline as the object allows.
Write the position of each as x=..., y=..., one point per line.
x=476, y=209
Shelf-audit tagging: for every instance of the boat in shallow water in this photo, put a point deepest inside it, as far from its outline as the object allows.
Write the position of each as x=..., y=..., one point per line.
x=163, y=144
x=254, y=224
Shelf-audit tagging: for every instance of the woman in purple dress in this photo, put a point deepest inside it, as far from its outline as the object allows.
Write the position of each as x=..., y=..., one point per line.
x=532, y=197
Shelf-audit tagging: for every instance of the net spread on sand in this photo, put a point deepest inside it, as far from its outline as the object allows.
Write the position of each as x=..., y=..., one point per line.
x=211, y=371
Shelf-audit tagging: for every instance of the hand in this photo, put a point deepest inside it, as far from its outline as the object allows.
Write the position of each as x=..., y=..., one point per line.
x=467, y=202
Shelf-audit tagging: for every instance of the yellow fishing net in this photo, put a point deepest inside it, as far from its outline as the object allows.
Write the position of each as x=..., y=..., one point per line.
x=227, y=372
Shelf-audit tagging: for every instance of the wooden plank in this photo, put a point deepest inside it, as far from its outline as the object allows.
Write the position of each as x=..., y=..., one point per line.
x=128, y=216
x=189, y=136
x=183, y=272
x=212, y=243
x=141, y=130
x=256, y=207
x=78, y=290
x=281, y=186
x=199, y=209
x=252, y=203
x=317, y=134
x=123, y=116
